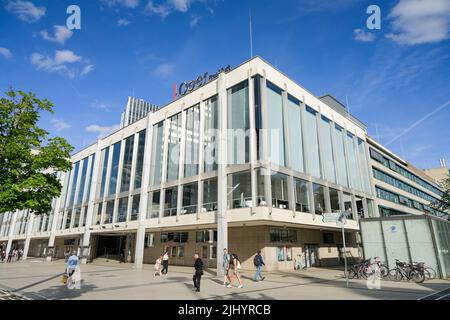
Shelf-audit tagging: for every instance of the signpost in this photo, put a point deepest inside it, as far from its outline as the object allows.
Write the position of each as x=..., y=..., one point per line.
x=339, y=218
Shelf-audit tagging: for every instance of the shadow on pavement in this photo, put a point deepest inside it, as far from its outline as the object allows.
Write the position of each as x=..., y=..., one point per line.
x=61, y=292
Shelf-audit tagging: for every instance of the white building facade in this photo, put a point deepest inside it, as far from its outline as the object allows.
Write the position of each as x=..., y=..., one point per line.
x=249, y=161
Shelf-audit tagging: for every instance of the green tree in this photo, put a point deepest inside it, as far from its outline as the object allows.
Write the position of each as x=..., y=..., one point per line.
x=29, y=159
x=444, y=203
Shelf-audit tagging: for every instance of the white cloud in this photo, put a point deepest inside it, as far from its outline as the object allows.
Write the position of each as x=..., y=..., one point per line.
x=65, y=62
x=59, y=124
x=194, y=20
x=60, y=34
x=419, y=21
x=124, y=3
x=100, y=105
x=123, y=22
x=5, y=53
x=102, y=130
x=25, y=10
x=363, y=35
x=166, y=7
x=164, y=70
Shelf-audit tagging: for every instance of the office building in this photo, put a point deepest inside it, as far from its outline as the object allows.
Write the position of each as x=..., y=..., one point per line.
x=136, y=109
x=249, y=160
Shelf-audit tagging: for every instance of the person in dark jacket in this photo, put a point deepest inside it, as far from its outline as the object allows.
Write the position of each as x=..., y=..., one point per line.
x=259, y=263
x=198, y=266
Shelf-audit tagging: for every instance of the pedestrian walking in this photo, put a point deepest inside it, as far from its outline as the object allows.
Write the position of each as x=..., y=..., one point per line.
x=259, y=263
x=198, y=266
x=235, y=266
x=15, y=255
x=66, y=255
x=226, y=266
x=19, y=254
x=158, y=266
x=165, y=263
x=10, y=255
x=73, y=271
x=3, y=254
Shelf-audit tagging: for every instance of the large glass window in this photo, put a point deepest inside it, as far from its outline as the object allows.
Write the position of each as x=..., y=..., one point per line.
x=76, y=218
x=154, y=204
x=157, y=153
x=173, y=148
x=348, y=205
x=126, y=164
x=68, y=219
x=139, y=160
x=353, y=163
x=98, y=211
x=327, y=150
x=334, y=200
x=238, y=124
x=74, y=183
x=189, y=204
x=319, y=198
x=210, y=134
x=105, y=156
x=312, y=152
x=122, y=210
x=209, y=195
x=301, y=195
x=340, y=157
x=135, y=207
x=192, y=141
x=295, y=134
x=89, y=182
x=82, y=181
x=275, y=124
x=239, y=190
x=114, y=168
x=260, y=192
x=109, y=212
x=279, y=190
x=170, y=202
x=364, y=165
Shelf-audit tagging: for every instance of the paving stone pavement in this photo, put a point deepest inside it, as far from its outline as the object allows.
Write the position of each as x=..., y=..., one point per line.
x=39, y=280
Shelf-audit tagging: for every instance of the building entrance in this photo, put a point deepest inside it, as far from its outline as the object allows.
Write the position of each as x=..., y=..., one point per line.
x=111, y=247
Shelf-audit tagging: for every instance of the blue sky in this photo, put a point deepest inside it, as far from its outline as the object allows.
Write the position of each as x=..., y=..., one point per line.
x=396, y=80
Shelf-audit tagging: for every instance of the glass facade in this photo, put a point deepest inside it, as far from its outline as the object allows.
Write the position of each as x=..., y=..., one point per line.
x=157, y=154
x=312, y=152
x=239, y=190
x=319, y=198
x=238, y=124
x=340, y=157
x=82, y=181
x=170, y=202
x=275, y=125
x=173, y=147
x=74, y=183
x=280, y=190
x=209, y=195
x=327, y=150
x=114, y=168
x=211, y=125
x=140, y=159
x=189, y=204
x=192, y=141
x=126, y=164
x=301, y=195
x=295, y=133
x=105, y=158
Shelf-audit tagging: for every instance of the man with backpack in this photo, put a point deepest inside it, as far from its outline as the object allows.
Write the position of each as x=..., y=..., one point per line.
x=259, y=263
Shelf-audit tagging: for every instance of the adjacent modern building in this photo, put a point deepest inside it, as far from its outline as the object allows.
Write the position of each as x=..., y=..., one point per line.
x=135, y=110
x=401, y=188
x=439, y=174
x=250, y=161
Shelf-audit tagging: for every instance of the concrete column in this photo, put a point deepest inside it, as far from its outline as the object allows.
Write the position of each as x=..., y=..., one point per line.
x=327, y=199
x=287, y=147
x=334, y=145
x=140, y=234
x=119, y=178
x=252, y=138
x=12, y=226
x=222, y=191
x=167, y=124
x=29, y=231
x=86, y=238
x=200, y=157
x=265, y=170
x=181, y=162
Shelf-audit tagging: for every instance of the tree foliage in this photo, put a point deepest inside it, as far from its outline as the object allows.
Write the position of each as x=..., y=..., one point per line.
x=29, y=159
x=444, y=203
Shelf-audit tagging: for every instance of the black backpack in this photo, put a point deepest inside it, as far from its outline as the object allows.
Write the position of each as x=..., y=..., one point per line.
x=256, y=260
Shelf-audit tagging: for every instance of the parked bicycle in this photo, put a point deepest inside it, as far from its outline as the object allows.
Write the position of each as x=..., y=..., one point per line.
x=407, y=271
